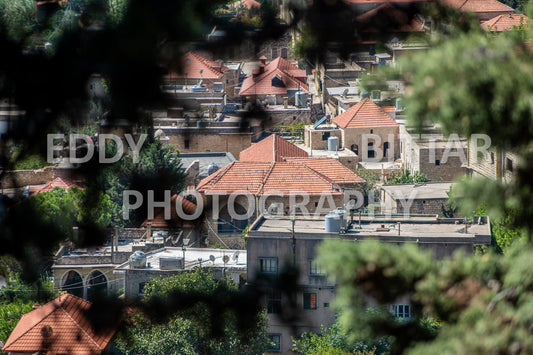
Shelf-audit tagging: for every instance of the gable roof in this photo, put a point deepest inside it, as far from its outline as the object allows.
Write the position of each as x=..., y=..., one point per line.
x=505, y=22
x=364, y=114
x=331, y=168
x=272, y=148
x=71, y=332
x=291, y=76
x=159, y=220
x=52, y=184
x=397, y=20
x=260, y=178
x=196, y=66
x=479, y=5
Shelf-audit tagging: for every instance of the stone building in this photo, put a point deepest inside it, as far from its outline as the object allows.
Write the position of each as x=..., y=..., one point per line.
x=483, y=10
x=495, y=164
x=272, y=244
x=439, y=158
x=415, y=199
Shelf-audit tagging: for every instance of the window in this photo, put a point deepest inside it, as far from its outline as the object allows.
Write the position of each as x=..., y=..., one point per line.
x=509, y=164
x=492, y=157
x=376, y=95
x=386, y=147
x=276, y=339
x=142, y=286
x=274, y=301
x=371, y=153
x=402, y=311
x=371, y=131
x=437, y=162
x=310, y=300
x=268, y=265
x=314, y=268
x=186, y=144
x=326, y=305
x=274, y=53
x=325, y=136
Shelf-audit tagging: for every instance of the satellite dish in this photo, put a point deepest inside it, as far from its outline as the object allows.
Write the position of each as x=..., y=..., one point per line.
x=212, y=258
x=225, y=258
x=345, y=92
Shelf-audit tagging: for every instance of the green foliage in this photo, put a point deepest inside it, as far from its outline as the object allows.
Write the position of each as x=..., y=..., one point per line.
x=481, y=302
x=66, y=209
x=158, y=166
x=10, y=314
x=18, y=16
x=23, y=161
x=188, y=332
x=407, y=178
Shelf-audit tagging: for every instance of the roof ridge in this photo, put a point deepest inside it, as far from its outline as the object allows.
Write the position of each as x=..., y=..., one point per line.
x=206, y=62
x=265, y=178
x=320, y=175
x=221, y=173
x=83, y=330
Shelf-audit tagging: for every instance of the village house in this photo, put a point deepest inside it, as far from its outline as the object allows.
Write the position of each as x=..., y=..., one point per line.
x=199, y=70
x=483, y=9
x=59, y=327
x=143, y=267
x=415, y=199
x=507, y=22
x=496, y=164
x=275, y=243
x=432, y=154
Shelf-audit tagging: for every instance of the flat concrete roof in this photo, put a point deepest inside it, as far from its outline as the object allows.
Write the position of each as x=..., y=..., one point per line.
x=237, y=258
x=326, y=153
x=429, y=190
x=427, y=228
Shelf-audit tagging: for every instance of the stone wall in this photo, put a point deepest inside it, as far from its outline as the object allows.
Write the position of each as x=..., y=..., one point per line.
x=21, y=178
x=211, y=142
x=352, y=137
x=437, y=169
x=314, y=138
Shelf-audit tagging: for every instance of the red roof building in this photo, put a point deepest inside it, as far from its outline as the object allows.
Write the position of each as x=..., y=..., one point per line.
x=483, y=9
x=274, y=78
x=59, y=327
x=397, y=20
x=365, y=114
x=331, y=168
x=247, y=4
x=49, y=186
x=160, y=222
x=199, y=67
x=506, y=23
x=272, y=148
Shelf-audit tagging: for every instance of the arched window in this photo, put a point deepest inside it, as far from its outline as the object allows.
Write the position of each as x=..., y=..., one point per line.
x=386, y=147
x=96, y=285
x=73, y=283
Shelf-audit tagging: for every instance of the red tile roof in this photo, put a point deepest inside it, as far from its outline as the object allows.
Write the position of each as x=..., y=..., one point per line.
x=196, y=66
x=291, y=76
x=49, y=186
x=364, y=114
x=331, y=168
x=479, y=5
x=259, y=178
x=397, y=20
x=506, y=22
x=272, y=148
x=159, y=220
x=249, y=4
x=71, y=332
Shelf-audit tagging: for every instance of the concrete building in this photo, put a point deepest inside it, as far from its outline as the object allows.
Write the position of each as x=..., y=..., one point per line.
x=141, y=267
x=272, y=244
x=414, y=199
x=198, y=166
x=483, y=10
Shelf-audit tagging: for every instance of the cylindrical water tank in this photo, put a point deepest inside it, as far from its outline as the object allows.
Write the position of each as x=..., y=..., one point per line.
x=212, y=168
x=333, y=143
x=333, y=223
x=138, y=260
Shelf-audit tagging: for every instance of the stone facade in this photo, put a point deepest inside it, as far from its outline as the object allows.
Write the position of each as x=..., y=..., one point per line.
x=21, y=178
x=195, y=140
x=318, y=138
x=354, y=139
x=495, y=165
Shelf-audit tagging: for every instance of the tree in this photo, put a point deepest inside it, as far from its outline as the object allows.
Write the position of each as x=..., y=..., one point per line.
x=189, y=331
x=407, y=178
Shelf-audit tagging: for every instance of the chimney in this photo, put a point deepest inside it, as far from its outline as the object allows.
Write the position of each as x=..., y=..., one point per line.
x=263, y=60
x=285, y=102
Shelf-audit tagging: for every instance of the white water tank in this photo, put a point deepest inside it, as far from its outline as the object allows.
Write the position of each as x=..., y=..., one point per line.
x=138, y=260
x=333, y=223
x=333, y=144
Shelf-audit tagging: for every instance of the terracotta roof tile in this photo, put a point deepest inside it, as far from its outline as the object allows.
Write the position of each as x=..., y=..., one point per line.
x=159, y=220
x=259, y=178
x=71, y=332
x=272, y=148
x=506, y=22
x=291, y=76
x=196, y=66
x=331, y=168
x=364, y=114
x=397, y=20
x=479, y=5
x=52, y=184
x=249, y=4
